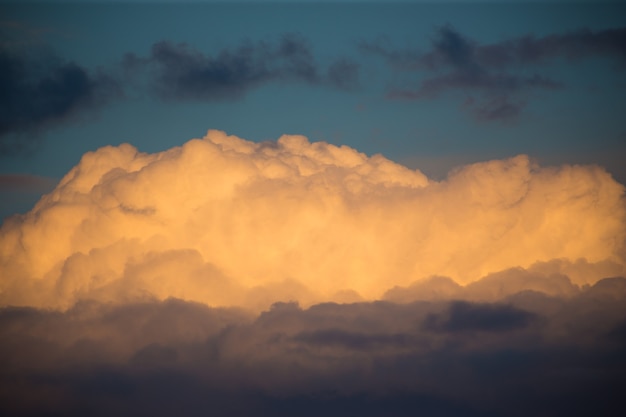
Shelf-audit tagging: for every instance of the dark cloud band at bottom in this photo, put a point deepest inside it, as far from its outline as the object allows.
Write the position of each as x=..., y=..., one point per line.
x=529, y=354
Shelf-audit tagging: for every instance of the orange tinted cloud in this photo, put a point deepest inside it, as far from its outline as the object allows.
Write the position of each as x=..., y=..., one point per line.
x=229, y=222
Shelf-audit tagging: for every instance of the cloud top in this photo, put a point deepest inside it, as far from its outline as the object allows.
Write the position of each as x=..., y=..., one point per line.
x=229, y=222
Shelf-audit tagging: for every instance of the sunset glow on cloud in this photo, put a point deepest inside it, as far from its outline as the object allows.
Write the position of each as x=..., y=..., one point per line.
x=400, y=209
x=228, y=222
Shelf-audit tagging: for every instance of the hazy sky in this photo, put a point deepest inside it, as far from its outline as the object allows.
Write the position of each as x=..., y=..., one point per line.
x=286, y=209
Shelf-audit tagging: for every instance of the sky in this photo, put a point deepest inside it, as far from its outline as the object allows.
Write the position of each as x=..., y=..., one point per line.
x=431, y=86
x=302, y=208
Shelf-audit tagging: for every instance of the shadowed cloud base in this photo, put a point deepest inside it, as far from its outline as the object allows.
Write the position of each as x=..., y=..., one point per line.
x=528, y=354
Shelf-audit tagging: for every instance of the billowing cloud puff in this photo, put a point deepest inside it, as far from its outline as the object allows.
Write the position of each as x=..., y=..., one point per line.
x=198, y=280
x=228, y=222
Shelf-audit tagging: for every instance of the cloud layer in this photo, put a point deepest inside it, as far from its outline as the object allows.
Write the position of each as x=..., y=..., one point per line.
x=526, y=355
x=497, y=72
x=228, y=222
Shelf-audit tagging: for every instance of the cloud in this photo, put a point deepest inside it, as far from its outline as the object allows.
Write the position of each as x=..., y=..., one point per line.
x=497, y=71
x=550, y=279
x=575, y=45
x=228, y=222
x=183, y=73
x=42, y=91
x=451, y=49
x=463, y=316
x=352, y=340
x=152, y=357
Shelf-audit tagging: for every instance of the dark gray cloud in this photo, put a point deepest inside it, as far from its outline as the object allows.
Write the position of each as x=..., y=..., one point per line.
x=43, y=90
x=575, y=45
x=39, y=89
x=496, y=72
x=183, y=73
x=352, y=340
x=430, y=358
x=463, y=316
x=451, y=49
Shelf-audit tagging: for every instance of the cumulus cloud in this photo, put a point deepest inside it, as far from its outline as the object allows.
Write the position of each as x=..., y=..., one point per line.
x=179, y=72
x=497, y=72
x=203, y=280
x=228, y=222
x=42, y=90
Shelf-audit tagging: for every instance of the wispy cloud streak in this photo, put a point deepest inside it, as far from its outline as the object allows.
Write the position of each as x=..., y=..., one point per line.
x=38, y=92
x=183, y=73
x=497, y=71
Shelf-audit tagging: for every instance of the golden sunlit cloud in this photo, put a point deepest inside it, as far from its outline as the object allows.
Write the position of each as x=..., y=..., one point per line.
x=229, y=222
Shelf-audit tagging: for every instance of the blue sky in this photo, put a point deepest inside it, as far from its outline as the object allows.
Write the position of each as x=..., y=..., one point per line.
x=564, y=105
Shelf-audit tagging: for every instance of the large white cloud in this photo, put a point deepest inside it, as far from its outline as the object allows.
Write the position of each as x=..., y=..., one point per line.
x=225, y=221
x=492, y=281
